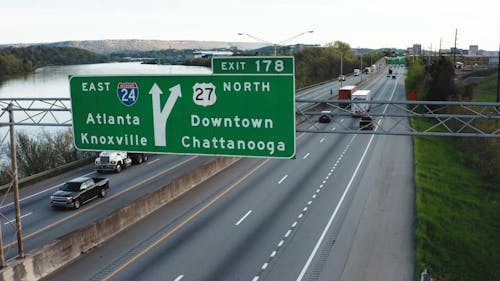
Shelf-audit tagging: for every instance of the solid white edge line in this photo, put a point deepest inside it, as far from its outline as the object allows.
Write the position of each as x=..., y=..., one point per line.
x=283, y=178
x=327, y=227
x=334, y=214
x=243, y=218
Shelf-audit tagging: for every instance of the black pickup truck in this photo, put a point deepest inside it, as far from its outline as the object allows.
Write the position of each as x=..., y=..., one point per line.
x=76, y=192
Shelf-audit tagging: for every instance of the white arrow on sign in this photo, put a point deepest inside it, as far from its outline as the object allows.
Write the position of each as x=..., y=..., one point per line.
x=160, y=116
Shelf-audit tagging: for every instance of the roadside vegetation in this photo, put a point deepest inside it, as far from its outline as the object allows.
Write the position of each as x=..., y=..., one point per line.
x=457, y=183
x=315, y=65
x=40, y=153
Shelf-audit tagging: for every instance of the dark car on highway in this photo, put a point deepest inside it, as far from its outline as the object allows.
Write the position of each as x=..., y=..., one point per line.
x=76, y=192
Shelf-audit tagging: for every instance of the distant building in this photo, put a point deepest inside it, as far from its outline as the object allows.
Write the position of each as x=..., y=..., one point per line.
x=209, y=54
x=417, y=49
x=473, y=50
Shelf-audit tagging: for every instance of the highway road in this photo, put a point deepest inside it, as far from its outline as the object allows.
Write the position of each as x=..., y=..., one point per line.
x=342, y=210
x=42, y=224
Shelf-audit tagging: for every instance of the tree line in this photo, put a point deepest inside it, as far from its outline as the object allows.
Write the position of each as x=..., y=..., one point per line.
x=23, y=60
x=315, y=65
x=36, y=154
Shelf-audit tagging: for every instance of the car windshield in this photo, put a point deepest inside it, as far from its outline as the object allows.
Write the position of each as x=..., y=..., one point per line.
x=71, y=186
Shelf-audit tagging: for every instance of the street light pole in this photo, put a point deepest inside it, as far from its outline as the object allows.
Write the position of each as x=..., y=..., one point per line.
x=341, y=68
x=361, y=67
x=275, y=45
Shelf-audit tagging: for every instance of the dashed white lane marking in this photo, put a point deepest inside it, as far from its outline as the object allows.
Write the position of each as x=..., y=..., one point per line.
x=321, y=140
x=151, y=162
x=179, y=277
x=23, y=216
x=283, y=178
x=289, y=232
x=243, y=218
x=307, y=155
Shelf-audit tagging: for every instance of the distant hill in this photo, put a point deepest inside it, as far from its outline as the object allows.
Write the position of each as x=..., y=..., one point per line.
x=118, y=46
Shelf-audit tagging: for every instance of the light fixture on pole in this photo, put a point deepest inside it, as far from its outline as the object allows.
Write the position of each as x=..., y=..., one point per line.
x=275, y=45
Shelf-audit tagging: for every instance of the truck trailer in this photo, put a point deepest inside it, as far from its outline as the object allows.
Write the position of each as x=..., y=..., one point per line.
x=360, y=109
x=345, y=93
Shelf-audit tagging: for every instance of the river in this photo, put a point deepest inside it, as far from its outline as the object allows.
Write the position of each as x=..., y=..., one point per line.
x=52, y=82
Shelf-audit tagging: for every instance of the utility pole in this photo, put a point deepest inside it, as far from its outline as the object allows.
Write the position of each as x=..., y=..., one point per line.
x=440, y=40
x=15, y=183
x=455, y=48
x=361, y=67
x=498, y=75
x=2, y=257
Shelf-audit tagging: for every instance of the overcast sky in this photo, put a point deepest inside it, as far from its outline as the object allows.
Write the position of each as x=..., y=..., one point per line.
x=361, y=23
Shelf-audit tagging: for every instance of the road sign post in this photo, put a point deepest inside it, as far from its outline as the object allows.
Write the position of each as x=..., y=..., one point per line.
x=233, y=115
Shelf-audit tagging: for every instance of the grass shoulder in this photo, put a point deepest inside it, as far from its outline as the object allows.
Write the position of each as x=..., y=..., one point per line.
x=457, y=207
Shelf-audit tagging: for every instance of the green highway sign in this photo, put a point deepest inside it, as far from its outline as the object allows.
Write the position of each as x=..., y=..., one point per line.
x=396, y=60
x=246, y=115
x=253, y=65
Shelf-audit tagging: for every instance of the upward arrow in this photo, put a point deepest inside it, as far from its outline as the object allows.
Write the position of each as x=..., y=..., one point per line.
x=160, y=116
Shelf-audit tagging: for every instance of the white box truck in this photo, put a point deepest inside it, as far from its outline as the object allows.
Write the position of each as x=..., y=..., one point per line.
x=360, y=109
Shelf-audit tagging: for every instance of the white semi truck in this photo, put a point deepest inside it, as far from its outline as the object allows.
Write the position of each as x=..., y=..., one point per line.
x=112, y=161
x=118, y=160
x=360, y=109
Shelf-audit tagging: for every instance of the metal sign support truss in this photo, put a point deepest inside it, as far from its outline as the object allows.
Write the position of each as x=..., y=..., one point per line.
x=442, y=118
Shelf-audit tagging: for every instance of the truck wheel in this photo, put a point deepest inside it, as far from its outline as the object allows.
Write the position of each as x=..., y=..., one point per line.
x=99, y=171
x=102, y=192
x=118, y=168
x=139, y=159
x=145, y=158
x=77, y=203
